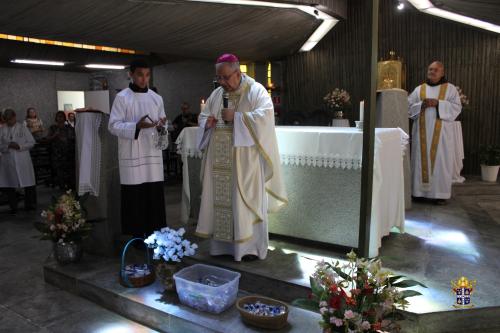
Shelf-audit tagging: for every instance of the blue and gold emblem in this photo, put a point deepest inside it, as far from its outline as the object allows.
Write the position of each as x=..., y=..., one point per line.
x=463, y=289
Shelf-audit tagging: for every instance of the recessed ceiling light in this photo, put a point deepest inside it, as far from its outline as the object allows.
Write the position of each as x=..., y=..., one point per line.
x=103, y=66
x=37, y=62
x=428, y=7
x=400, y=6
x=318, y=34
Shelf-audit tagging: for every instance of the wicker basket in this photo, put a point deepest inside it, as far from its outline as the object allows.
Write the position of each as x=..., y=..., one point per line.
x=137, y=280
x=273, y=323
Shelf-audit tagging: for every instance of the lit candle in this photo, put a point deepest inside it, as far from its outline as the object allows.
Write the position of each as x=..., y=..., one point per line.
x=361, y=110
x=202, y=105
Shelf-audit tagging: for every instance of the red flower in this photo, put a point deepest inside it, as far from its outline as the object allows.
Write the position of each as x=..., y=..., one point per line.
x=350, y=301
x=355, y=292
x=334, y=288
x=377, y=326
x=367, y=290
x=335, y=302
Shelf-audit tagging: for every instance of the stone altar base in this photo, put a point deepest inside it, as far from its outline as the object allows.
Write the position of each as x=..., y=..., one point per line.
x=96, y=279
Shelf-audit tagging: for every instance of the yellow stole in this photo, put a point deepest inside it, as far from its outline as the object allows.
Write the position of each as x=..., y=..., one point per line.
x=222, y=175
x=423, y=134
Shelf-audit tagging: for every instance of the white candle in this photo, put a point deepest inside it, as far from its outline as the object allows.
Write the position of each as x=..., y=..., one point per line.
x=361, y=110
x=202, y=105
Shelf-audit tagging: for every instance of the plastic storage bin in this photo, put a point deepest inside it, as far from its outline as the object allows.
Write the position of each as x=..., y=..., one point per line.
x=207, y=288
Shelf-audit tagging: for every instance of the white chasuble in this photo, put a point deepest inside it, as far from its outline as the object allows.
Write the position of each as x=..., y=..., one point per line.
x=241, y=175
x=432, y=140
x=140, y=162
x=16, y=168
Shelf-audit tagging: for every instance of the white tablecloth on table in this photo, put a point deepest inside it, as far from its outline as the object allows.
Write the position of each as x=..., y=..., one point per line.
x=340, y=123
x=458, y=154
x=335, y=148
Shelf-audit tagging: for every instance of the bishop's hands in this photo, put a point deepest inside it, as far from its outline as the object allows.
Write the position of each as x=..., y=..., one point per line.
x=211, y=122
x=228, y=115
x=429, y=103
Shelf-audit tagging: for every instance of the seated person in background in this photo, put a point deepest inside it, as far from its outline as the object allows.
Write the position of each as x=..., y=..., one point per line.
x=185, y=119
x=16, y=169
x=71, y=120
x=33, y=123
x=62, y=140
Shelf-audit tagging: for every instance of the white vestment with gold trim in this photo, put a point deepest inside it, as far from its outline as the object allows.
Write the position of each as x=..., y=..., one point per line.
x=440, y=163
x=241, y=174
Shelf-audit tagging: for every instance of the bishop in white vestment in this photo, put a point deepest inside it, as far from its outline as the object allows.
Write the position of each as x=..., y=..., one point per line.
x=241, y=175
x=16, y=168
x=136, y=113
x=433, y=106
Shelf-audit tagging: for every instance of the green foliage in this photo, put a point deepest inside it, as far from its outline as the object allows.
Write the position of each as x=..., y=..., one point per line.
x=489, y=155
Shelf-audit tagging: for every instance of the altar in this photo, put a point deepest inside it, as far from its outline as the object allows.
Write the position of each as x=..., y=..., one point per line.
x=322, y=173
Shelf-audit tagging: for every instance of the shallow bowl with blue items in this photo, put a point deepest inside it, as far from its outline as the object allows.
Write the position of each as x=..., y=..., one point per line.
x=207, y=288
x=263, y=312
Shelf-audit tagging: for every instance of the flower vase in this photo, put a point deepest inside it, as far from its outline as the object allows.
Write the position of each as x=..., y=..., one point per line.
x=339, y=114
x=70, y=252
x=165, y=273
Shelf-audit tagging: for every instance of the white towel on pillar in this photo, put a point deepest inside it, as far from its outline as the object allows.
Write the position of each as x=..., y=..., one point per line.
x=89, y=152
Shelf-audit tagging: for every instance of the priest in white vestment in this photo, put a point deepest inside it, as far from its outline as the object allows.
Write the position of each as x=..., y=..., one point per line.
x=241, y=175
x=433, y=106
x=136, y=115
x=16, y=168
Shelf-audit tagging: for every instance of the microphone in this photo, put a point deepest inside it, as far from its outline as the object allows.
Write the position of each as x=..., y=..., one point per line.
x=225, y=103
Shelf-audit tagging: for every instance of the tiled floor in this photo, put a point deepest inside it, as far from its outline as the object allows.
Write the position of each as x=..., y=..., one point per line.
x=441, y=243
x=27, y=303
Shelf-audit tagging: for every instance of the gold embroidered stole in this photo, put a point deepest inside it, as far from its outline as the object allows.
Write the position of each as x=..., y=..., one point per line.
x=423, y=134
x=222, y=176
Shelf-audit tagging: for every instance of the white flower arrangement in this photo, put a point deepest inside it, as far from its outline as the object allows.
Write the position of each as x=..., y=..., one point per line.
x=464, y=100
x=337, y=99
x=167, y=244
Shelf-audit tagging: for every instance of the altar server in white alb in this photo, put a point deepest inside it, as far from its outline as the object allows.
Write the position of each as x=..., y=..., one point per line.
x=16, y=169
x=136, y=114
x=241, y=174
x=433, y=106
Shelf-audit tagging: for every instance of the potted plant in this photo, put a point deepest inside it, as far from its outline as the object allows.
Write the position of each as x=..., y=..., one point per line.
x=65, y=225
x=338, y=101
x=489, y=157
x=168, y=250
x=358, y=296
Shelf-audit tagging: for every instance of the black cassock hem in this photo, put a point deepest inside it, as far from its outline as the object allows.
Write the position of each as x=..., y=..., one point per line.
x=142, y=209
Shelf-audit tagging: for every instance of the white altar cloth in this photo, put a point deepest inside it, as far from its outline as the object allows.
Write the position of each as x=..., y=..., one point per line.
x=329, y=147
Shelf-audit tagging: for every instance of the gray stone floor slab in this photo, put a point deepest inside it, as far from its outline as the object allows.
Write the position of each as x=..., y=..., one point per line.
x=27, y=303
x=441, y=243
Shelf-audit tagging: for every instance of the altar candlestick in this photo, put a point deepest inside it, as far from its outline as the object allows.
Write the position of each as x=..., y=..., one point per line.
x=202, y=105
x=361, y=110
